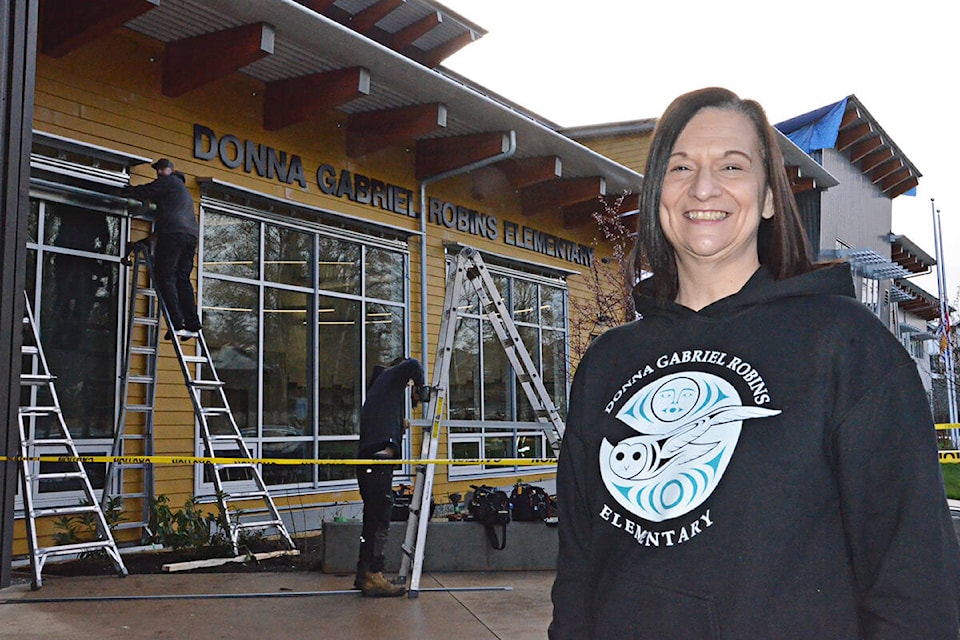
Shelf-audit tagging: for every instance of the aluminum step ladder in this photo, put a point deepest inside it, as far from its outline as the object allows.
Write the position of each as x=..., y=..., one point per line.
x=235, y=481
x=468, y=273
x=44, y=432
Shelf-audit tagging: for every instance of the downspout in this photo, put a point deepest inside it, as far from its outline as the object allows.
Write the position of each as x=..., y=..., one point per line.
x=479, y=164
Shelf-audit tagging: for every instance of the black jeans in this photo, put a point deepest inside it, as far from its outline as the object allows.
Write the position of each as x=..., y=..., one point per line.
x=173, y=264
x=376, y=489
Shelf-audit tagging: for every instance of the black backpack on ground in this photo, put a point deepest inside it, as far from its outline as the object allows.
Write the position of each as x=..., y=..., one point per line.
x=491, y=508
x=530, y=503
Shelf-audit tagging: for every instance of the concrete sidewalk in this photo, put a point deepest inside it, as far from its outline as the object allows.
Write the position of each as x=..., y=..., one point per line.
x=510, y=605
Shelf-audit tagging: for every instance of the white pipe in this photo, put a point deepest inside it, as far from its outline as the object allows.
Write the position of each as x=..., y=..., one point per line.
x=503, y=155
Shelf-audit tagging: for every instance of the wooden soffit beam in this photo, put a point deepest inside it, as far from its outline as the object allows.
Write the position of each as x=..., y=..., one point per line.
x=414, y=31
x=432, y=58
x=364, y=21
x=317, y=5
x=902, y=187
x=580, y=214
x=293, y=100
x=549, y=196
x=371, y=131
x=885, y=169
x=802, y=185
x=894, y=178
x=525, y=172
x=848, y=137
x=436, y=156
x=875, y=159
x=508, y=176
x=862, y=149
x=66, y=25
x=191, y=63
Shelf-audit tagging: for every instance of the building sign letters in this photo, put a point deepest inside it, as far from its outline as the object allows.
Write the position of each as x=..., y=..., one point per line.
x=273, y=164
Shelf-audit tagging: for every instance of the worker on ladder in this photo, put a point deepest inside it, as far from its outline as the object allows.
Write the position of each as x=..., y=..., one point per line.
x=382, y=424
x=177, y=232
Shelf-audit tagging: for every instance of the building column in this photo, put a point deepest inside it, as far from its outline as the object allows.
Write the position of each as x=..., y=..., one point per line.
x=18, y=49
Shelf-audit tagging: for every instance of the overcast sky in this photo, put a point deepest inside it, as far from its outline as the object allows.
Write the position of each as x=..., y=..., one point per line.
x=578, y=62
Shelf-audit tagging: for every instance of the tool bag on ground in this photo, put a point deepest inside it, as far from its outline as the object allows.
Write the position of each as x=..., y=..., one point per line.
x=530, y=503
x=491, y=508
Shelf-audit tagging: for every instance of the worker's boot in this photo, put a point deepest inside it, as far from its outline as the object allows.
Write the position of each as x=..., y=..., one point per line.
x=374, y=585
x=361, y=574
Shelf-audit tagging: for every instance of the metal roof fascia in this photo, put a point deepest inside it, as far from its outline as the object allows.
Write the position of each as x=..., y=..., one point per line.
x=794, y=155
x=300, y=23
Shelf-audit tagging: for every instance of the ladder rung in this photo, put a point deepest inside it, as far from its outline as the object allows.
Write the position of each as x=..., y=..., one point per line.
x=141, y=379
x=74, y=548
x=234, y=465
x=139, y=408
x=247, y=495
x=36, y=378
x=144, y=351
x=29, y=350
x=146, y=291
x=215, y=411
x=224, y=437
x=195, y=359
x=39, y=411
x=206, y=384
x=257, y=524
x=146, y=321
x=43, y=442
x=129, y=525
x=64, y=475
x=130, y=465
x=61, y=511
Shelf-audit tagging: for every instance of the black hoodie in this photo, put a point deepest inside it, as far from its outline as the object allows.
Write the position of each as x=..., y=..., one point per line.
x=381, y=418
x=763, y=468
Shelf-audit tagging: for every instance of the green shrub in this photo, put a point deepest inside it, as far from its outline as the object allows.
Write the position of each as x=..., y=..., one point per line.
x=190, y=527
x=951, y=480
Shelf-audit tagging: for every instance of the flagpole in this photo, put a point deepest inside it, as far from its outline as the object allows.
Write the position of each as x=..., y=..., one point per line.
x=947, y=351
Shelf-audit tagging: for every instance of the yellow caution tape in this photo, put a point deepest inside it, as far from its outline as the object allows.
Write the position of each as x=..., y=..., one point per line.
x=285, y=461
x=949, y=456
x=947, y=425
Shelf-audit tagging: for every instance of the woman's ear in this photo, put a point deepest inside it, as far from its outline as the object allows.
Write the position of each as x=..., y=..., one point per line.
x=768, y=210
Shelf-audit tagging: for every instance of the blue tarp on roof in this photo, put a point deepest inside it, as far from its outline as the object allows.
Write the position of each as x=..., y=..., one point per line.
x=816, y=129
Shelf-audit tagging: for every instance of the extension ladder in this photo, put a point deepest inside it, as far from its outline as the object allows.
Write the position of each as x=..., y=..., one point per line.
x=218, y=429
x=468, y=270
x=43, y=431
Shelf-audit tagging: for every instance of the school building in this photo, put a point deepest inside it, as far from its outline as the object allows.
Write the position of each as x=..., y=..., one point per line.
x=336, y=171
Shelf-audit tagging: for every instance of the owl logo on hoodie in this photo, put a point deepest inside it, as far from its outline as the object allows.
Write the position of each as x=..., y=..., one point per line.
x=687, y=428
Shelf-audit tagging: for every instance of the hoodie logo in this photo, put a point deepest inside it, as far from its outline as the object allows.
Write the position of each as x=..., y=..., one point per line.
x=688, y=425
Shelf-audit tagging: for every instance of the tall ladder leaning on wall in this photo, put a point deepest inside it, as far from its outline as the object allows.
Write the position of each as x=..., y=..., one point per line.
x=44, y=432
x=468, y=270
x=133, y=480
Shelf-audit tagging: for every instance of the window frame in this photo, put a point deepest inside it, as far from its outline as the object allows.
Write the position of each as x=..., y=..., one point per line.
x=212, y=205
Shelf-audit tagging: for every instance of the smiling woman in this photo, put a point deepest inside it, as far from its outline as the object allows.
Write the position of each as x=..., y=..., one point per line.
x=755, y=457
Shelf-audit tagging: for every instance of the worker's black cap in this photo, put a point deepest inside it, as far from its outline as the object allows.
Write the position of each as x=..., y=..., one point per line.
x=162, y=163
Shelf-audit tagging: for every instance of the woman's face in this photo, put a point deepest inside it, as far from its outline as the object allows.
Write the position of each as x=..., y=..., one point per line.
x=715, y=193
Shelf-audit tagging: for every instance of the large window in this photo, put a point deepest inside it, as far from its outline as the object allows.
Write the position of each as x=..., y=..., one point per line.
x=296, y=316
x=490, y=415
x=73, y=271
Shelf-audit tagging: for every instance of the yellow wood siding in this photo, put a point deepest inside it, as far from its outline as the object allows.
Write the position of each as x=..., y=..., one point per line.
x=108, y=94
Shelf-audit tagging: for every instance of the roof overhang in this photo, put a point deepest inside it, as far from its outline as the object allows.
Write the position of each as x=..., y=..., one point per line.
x=849, y=128
x=909, y=256
x=916, y=301
x=387, y=95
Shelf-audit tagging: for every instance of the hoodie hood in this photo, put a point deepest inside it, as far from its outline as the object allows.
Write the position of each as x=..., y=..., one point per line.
x=760, y=288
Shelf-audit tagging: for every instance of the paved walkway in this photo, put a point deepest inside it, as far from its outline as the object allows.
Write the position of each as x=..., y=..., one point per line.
x=277, y=606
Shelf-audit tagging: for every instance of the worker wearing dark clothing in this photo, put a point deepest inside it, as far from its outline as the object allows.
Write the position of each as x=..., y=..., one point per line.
x=382, y=424
x=177, y=233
